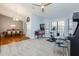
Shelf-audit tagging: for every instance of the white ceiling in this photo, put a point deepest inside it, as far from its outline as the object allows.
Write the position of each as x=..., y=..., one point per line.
x=58, y=10
x=55, y=10
x=15, y=10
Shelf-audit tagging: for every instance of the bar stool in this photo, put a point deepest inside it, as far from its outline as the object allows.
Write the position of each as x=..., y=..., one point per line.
x=8, y=33
x=13, y=32
x=2, y=35
x=18, y=32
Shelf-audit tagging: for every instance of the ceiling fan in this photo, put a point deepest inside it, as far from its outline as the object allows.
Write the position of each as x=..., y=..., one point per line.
x=42, y=5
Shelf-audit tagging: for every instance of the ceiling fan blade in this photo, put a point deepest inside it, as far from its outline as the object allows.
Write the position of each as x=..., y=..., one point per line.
x=47, y=4
x=42, y=9
x=36, y=5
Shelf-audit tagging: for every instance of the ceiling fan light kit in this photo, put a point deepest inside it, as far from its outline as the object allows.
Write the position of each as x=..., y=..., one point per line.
x=42, y=5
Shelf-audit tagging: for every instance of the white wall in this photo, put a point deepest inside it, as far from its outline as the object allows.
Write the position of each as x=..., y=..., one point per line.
x=27, y=26
x=6, y=22
x=35, y=25
x=32, y=26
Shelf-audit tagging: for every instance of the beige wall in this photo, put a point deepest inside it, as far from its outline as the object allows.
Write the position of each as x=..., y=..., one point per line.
x=6, y=22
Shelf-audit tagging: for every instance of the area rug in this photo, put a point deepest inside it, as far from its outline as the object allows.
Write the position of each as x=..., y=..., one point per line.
x=15, y=39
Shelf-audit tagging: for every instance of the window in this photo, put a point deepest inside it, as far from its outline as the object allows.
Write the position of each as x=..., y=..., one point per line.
x=61, y=25
x=54, y=26
x=58, y=26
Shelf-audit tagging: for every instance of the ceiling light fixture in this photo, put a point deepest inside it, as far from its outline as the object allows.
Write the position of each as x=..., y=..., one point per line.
x=42, y=5
x=13, y=26
x=15, y=19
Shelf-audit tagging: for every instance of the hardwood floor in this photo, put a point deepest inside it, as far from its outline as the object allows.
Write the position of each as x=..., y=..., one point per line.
x=13, y=39
x=33, y=47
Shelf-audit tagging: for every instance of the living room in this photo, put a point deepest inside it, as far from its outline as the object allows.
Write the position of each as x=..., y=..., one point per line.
x=47, y=27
